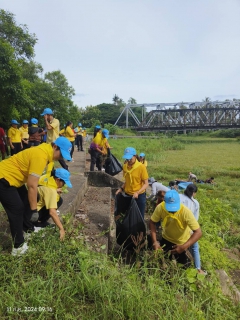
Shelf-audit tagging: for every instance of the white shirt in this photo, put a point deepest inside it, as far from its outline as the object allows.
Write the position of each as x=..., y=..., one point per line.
x=192, y=204
x=157, y=186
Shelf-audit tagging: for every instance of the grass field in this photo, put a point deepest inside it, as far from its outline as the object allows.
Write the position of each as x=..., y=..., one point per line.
x=68, y=281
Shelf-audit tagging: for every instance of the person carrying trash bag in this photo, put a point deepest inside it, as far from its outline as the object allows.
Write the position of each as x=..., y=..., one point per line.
x=136, y=179
x=26, y=167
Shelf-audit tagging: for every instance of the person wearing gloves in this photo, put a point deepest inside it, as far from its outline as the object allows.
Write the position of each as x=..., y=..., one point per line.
x=15, y=138
x=52, y=125
x=24, y=132
x=142, y=159
x=136, y=179
x=156, y=186
x=177, y=221
x=49, y=200
x=23, y=168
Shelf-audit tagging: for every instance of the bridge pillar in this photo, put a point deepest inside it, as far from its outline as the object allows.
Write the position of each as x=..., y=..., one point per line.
x=184, y=131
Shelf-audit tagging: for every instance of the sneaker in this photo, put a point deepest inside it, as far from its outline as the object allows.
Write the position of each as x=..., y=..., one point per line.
x=58, y=212
x=21, y=250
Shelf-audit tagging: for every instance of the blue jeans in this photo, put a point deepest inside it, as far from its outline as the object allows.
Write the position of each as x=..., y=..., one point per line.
x=194, y=249
x=141, y=202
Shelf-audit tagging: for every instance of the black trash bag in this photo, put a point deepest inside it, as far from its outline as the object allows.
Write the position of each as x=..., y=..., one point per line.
x=112, y=165
x=130, y=226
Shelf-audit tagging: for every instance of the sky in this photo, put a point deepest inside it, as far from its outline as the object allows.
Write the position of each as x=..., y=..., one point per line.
x=156, y=51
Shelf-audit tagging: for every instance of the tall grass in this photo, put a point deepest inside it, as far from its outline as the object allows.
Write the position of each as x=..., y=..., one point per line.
x=67, y=281
x=70, y=281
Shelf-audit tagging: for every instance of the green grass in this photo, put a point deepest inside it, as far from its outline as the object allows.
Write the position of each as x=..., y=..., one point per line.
x=77, y=283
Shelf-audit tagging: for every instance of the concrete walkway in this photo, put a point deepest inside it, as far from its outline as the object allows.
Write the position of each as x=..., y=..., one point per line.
x=73, y=198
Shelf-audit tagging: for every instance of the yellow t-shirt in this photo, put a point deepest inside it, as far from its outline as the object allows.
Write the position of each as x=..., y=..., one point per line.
x=177, y=230
x=53, y=134
x=15, y=135
x=79, y=131
x=32, y=161
x=48, y=198
x=24, y=132
x=145, y=163
x=98, y=138
x=48, y=181
x=134, y=178
x=84, y=133
x=68, y=133
x=104, y=145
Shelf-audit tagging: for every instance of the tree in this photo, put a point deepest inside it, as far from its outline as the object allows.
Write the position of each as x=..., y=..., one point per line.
x=17, y=36
x=59, y=82
x=115, y=99
x=90, y=116
x=11, y=86
x=132, y=101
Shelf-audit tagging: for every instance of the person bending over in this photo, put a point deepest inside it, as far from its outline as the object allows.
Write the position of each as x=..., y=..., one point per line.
x=176, y=220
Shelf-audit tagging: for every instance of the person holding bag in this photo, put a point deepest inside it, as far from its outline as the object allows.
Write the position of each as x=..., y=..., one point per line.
x=136, y=179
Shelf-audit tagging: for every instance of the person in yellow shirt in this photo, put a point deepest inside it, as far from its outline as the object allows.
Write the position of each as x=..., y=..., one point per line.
x=68, y=132
x=15, y=138
x=96, y=148
x=142, y=159
x=49, y=200
x=23, y=168
x=24, y=131
x=136, y=179
x=105, y=147
x=177, y=221
x=79, y=132
x=52, y=125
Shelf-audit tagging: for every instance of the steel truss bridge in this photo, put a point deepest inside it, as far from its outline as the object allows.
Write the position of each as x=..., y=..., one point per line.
x=185, y=116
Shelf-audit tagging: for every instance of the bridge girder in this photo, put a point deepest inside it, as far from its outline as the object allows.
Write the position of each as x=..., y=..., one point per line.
x=216, y=114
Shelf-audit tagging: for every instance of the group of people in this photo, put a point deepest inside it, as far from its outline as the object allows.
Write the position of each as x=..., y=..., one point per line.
x=177, y=213
x=29, y=197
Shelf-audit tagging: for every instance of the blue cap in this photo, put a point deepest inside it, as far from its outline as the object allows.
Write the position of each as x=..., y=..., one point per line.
x=98, y=126
x=142, y=154
x=47, y=111
x=14, y=122
x=34, y=121
x=25, y=122
x=106, y=133
x=84, y=128
x=64, y=175
x=172, y=201
x=79, y=124
x=65, y=147
x=129, y=152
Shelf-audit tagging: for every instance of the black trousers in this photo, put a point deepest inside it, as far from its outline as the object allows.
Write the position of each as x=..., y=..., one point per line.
x=95, y=160
x=180, y=258
x=72, y=150
x=15, y=202
x=17, y=148
x=44, y=212
x=80, y=142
